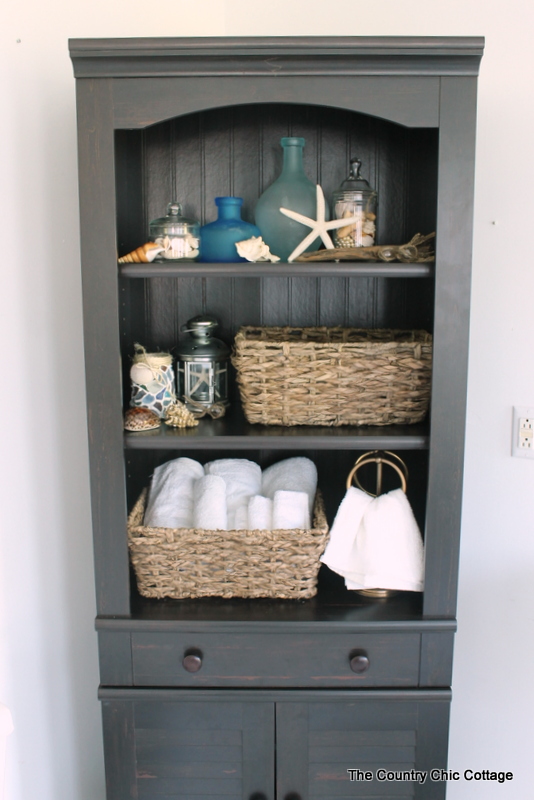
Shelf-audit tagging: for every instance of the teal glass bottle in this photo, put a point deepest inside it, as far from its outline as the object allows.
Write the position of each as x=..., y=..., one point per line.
x=218, y=239
x=292, y=190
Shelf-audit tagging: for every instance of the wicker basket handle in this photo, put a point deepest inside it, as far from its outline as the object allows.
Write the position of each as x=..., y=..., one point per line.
x=379, y=458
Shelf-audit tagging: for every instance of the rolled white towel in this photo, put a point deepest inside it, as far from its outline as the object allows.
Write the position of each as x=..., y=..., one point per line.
x=297, y=474
x=260, y=513
x=209, y=503
x=240, y=519
x=291, y=510
x=243, y=480
x=170, y=500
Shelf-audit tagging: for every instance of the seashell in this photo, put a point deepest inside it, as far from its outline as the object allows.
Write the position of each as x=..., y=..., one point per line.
x=346, y=230
x=369, y=227
x=178, y=416
x=351, y=229
x=367, y=241
x=146, y=253
x=179, y=246
x=141, y=374
x=255, y=249
x=140, y=419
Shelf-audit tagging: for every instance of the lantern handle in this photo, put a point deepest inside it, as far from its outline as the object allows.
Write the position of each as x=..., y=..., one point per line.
x=210, y=324
x=216, y=410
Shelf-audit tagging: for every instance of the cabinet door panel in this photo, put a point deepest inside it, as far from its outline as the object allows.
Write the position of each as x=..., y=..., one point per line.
x=203, y=750
x=318, y=742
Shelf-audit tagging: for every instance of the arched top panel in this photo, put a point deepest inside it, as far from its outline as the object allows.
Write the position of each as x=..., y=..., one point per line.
x=409, y=101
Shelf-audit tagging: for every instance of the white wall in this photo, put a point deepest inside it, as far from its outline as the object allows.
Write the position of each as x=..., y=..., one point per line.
x=48, y=662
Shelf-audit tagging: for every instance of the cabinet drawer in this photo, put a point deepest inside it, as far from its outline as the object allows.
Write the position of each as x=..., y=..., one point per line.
x=341, y=660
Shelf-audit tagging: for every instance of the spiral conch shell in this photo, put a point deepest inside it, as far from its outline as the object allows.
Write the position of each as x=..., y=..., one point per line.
x=178, y=416
x=255, y=249
x=146, y=253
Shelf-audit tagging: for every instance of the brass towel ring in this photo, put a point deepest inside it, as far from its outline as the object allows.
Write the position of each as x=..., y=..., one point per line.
x=378, y=457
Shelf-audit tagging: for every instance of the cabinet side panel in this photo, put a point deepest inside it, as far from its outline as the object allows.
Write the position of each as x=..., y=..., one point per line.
x=115, y=652
x=119, y=750
x=451, y=340
x=432, y=745
x=102, y=351
x=436, y=659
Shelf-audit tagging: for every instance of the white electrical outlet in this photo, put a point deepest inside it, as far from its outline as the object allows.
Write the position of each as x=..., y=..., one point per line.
x=523, y=432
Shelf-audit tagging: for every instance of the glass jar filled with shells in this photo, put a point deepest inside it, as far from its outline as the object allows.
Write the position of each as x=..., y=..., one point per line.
x=176, y=235
x=355, y=198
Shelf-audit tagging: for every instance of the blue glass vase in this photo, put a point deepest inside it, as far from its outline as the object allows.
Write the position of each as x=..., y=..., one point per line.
x=218, y=239
x=292, y=190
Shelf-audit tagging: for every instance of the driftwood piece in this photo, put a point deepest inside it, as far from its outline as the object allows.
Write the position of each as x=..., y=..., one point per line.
x=418, y=250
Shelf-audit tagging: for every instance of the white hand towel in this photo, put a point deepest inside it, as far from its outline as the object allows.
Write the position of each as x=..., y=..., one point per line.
x=170, y=500
x=243, y=480
x=345, y=529
x=291, y=510
x=297, y=474
x=209, y=504
x=260, y=513
x=388, y=550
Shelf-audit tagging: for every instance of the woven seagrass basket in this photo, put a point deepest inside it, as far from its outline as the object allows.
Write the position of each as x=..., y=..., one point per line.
x=333, y=376
x=188, y=562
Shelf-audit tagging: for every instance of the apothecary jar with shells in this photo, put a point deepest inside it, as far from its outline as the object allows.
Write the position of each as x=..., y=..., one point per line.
x=177, y=236
x=355, y=198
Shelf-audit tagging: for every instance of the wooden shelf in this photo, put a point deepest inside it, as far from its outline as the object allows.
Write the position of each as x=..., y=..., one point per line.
x=234, y=432
x=332, y=604
x=321, y=269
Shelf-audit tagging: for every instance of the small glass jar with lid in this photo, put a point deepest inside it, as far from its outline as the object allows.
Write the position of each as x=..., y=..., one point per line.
x=355, y=198
x=202, y=365
x=177, y=235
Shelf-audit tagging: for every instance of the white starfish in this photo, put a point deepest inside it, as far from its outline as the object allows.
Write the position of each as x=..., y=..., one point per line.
x=319, y=226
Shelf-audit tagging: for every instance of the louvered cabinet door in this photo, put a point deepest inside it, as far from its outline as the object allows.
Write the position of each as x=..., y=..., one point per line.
x=321, y=744
x=189, y=750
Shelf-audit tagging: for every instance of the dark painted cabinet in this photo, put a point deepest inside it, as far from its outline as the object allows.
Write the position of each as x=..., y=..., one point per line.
x=268, y=698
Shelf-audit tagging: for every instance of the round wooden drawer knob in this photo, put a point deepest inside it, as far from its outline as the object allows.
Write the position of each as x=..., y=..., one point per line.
x=359, y=663
x=192, y=661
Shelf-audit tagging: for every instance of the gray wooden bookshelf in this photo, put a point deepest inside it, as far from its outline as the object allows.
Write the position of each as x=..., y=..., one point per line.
x=275, y=711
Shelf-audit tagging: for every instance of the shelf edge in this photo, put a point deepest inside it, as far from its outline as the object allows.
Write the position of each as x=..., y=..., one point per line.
x=323, y=269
